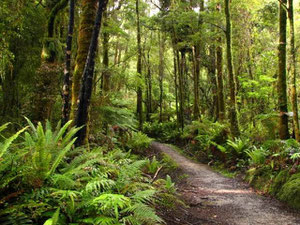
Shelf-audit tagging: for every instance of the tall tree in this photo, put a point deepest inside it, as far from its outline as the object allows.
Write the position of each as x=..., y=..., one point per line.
x=234, y=126
x=87, y=78
x=87, y=18
x=220, y=92
x=67, y=72
x=105, y=73
x=197, y=62
x=139, y=68
x=293, y=70
x=161, y=38
x=282, y=85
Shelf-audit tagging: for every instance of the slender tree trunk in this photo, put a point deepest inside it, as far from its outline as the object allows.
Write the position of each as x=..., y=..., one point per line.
x=213, y=80
x=87, y=20
x=149, y=87
x=196, y=82
x=221, y=102
x=234, y=126
x=87, y=78
x=161, y=72
x=197, y=65
x=176, y=86
x=67, y=72
x=293, y=71
x=181, y=70
x=139, y=69
x=282, y=85
x=105, y=73
x=252, y=100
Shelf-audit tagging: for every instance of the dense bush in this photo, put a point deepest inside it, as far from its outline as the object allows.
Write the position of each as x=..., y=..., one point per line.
x=166, y=132
x=47, y=181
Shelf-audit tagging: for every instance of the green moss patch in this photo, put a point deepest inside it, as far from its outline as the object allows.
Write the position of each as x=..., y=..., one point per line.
x=290, y=192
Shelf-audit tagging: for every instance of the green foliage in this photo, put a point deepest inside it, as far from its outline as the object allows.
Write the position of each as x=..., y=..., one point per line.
x=290, y=191
x=139, y=142
x=54, y=219
x=279, y=181
x=153, y=165
x=46, y=150
x=4, y=146
x=166, y=132
x=238, y=145
x=91, y=187
x=257, y=155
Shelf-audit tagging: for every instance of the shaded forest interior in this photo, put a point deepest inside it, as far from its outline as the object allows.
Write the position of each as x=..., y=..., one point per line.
x=217, y=77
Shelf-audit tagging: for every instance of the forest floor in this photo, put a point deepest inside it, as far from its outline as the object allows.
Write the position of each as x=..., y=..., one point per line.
x=215, y=199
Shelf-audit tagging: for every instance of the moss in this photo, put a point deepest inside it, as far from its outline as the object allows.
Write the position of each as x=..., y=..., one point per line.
x=260, y=178
x=84, y=38
x=278, y=182
x=290, y=192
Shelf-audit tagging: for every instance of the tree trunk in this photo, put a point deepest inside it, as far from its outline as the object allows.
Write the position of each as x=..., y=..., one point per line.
x=67, y=72
x=213, y=80
x=161, y=73
x=234, y=126
x=176, y=85
x=197, y=62
x=221, y=102
x=84, y=39
x=293, y=71
x=181, y=69
x=139, y=69
x=282, y=86
x=149, y=88
x=87, y=78
x=105, y=73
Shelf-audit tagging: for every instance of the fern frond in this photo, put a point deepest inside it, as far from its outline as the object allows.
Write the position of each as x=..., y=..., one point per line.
x=99, y=184
x=8, y=142
x=143, y=196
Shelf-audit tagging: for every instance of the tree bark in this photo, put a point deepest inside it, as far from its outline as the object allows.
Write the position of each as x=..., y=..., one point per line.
x=234, y=126
x=161, y=73
x=67, y=72
x=282, y=85
x=293, y=71
x=213, y=80
x=84, y=39
x=105, y=73
x=87, y=78
x=149, y=88
x=221, y=102
x=139, y=69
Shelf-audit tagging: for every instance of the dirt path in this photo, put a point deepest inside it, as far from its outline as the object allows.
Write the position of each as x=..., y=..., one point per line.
x=214, y=199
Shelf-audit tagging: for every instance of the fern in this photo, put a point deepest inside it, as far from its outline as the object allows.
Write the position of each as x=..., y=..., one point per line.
x=8, y=142
x=257, y=155
x=54, y=219
x=99, y=184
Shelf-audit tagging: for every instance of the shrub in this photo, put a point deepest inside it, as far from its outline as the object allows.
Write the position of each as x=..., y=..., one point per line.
x=90, y=187
x=257, y=155
x=139, y=142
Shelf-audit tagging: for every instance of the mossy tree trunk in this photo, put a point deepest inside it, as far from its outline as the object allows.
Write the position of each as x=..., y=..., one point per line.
x=161, y=72
x=293, y=70
x=234, y=126
x=67, y=72
x=197, y=61
x=87, y=78
x=221, y=101
x=87, y=18
x=282, y=84
x=139, y=69
x=213, y=81
x=106, y=72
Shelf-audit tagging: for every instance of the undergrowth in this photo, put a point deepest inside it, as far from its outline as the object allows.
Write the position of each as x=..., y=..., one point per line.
x=45, y=180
